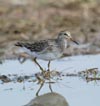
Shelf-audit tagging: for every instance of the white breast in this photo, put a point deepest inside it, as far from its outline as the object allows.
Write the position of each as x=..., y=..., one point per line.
x=44, y=56
x=49, y=56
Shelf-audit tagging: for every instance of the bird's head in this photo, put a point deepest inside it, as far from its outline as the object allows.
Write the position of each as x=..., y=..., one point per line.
x=67, y=35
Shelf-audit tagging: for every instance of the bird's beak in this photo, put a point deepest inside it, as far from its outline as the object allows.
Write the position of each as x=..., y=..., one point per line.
x=74, y=41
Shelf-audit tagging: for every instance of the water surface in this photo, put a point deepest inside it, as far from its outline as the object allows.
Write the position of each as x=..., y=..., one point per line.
x=74, y=89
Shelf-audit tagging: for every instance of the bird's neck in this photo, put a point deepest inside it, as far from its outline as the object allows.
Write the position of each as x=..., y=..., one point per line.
x=62, y=43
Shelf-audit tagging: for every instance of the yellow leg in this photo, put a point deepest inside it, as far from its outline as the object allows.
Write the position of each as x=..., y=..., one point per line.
x=38, y=65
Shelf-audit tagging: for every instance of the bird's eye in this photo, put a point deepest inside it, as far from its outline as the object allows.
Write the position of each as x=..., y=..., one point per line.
x=65, y=34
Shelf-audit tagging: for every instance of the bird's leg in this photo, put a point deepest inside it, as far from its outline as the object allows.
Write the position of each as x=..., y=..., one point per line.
x=21, y=56
x=49, y=65
x=38, y=65
x=40, y=88
x=49, y=76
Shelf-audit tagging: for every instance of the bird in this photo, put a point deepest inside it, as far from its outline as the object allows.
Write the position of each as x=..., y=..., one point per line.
x=49, y=49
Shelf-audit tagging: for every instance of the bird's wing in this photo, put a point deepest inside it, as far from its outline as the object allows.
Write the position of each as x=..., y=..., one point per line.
x=34, y=47
x=52, y=47
x=39, y=46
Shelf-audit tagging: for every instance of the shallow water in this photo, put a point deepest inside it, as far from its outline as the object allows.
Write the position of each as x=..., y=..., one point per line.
x=76, y=91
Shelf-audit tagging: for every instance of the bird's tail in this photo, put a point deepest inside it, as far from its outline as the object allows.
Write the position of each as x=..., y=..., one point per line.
x=20, y=44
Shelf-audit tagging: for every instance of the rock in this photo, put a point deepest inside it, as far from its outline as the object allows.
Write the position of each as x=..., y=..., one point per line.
x=49, y=99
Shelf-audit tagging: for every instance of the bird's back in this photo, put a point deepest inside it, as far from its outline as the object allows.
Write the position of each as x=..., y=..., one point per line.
x=33, y=47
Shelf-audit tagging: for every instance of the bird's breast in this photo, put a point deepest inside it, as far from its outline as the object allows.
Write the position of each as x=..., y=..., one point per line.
x=63, y=44
x=48, y=56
